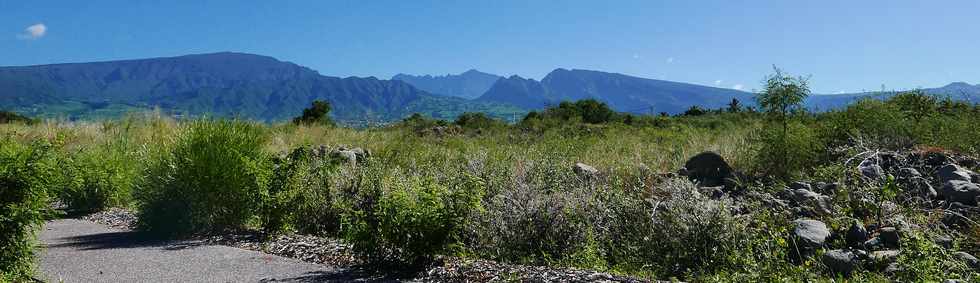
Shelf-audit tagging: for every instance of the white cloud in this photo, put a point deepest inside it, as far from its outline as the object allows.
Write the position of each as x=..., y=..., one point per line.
x=718, y=82
x=840, y=92
x=34, y=32
x=636, y=56
x=670, y=60
x=738, y=86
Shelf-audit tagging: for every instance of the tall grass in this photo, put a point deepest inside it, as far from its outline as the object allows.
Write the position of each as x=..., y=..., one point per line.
x=26, y=174
x=213, y=178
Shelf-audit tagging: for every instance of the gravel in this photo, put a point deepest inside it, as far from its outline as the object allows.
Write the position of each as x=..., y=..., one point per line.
x=115, y=218
x=461, y=270
x=319, y=250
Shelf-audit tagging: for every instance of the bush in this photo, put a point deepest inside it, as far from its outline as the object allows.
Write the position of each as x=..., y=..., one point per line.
x=693, y=233
x=11, y=117
x=26, y=174
x=411, y=221
x=214, y=178
x=695, y=111
x=315, y=114
x=784, y=153
x=587, y=110
x=782, y=101
x=99, y=178
x=301, y=186
x=472, y=120
x=533, y=225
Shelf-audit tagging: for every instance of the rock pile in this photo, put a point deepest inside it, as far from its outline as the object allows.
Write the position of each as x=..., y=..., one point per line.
x=919, y=173
x=351, y=156
x=932, y=180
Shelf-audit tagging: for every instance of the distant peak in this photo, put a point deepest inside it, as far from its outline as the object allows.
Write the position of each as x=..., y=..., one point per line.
x=958, y=85
x=472, y=71
x=226, y=54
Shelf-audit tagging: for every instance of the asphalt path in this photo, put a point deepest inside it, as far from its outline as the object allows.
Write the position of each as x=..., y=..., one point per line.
x=84, y=251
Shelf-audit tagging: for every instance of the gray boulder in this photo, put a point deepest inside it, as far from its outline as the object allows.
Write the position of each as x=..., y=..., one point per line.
x=961, y=191
x=873, y=243
x=346, y=156
x=908, y=172
x=953, y=172
x=584, y=170
x=921, y=187
x=890, y=237
x=869, y=169
x=826, y=188
x=884, y=257
x=360, y=153
x=893, y=268
x=840, y=261
x=800, y=186
x=856, y=234
x=707, y=169
x=969, y=259
x=810, y=233
x=944, y=241
x=820, y=204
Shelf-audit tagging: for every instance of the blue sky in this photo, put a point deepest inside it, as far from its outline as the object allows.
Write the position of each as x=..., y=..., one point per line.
x=845, y=45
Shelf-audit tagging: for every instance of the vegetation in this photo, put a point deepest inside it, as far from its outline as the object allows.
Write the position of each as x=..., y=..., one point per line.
x=315, y=114
x=790, y=144
x=479, y=188
x=26, y=171
x=12, y=117
x=213, y=178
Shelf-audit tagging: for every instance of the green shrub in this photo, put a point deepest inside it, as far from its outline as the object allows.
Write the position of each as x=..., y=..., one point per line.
x=317, y=113
x=694, y=111
x=471, y=120
x=587, y=110
x=98, y=178
x=214, y=178
x=413, y=220
x=12, y=117
x=694, y=234
x=787, y=145
x=301, y=186
x=785, y=153
x=533, y=226
x=26, y=174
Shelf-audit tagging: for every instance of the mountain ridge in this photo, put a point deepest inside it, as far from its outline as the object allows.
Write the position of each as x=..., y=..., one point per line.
x=469, y=84
x=225, y=84
x=622, y=92
x=233, y=84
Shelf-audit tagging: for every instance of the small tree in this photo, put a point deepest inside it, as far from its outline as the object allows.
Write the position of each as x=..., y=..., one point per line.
x=594, y=111
x=735, y=106
x=784, y=151
x=477, y=120
x=783, y=95
x=695, y=111
x=316, y=114
x=915, y=104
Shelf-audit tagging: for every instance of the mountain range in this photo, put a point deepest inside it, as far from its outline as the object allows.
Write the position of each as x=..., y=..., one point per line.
x=957, y=91
x=219, y=84
x=263, y=88
x=623, y=93
x=470, y=84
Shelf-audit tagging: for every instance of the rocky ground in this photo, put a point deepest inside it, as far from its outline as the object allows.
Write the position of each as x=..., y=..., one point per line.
x=334, y=252
x=934, y=182
x=938, y=183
